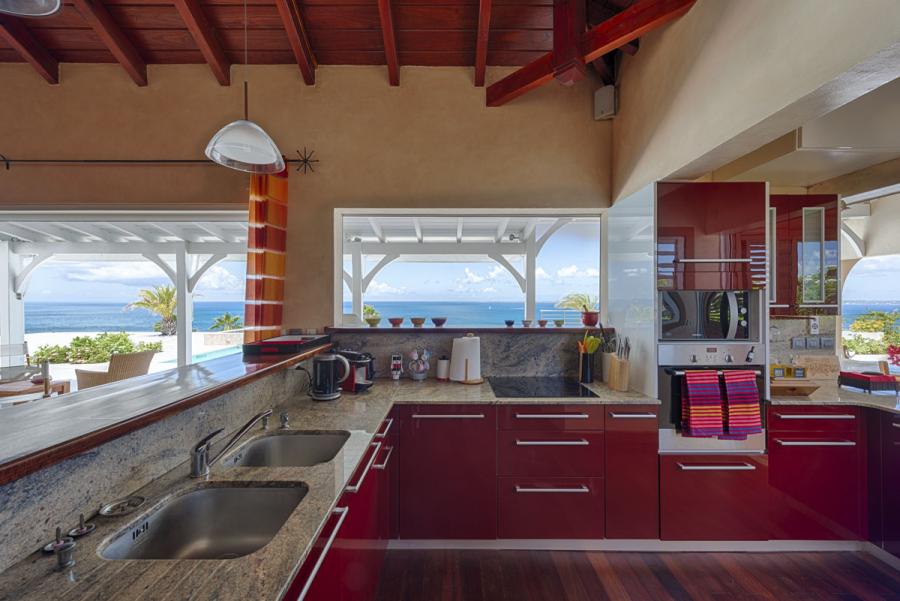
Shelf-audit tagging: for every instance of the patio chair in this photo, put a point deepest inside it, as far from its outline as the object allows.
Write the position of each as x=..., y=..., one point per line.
x=16, y=363
x=121, y=367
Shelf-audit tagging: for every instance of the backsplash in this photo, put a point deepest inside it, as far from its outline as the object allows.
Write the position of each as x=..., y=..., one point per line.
x=786, y=335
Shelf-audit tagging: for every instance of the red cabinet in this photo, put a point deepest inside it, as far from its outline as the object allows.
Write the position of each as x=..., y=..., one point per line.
x=713, y=497
x=632, y=471
x=817, y=472
x=550, y=417
x=711, y=235
x=358, y=543
x=548, y=507
x=553, y=453
x=891, y=482
x=319, y=577
x=389, y=466
x=448, y=472
x=805, y=251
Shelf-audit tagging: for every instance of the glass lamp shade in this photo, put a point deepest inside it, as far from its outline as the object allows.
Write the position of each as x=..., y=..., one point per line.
x=245, y=146
x=30, y=8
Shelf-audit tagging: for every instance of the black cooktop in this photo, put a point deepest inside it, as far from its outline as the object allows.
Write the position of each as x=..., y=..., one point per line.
x=513, y=388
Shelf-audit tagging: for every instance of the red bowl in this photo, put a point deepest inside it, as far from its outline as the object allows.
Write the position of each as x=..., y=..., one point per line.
x=590, y=318
x=396, y=322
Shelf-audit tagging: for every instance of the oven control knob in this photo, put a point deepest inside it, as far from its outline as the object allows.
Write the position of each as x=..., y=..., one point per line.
x=693, y=358
x=729, y=358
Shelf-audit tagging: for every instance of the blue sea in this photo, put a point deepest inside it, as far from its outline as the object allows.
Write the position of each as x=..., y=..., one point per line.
x=110, y=317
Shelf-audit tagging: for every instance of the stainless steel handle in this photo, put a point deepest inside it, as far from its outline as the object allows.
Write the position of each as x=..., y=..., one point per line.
x=816, y=443
x=816, y=416
x=646, y=415
x=895, y=424
x=362, y=477
x=575, y=489
x=778, y=306
x=713, y=260
x=817, y=306
x=700, y=467
x=581, y=442
x=448, y=416
x=552, y=416
x=680, y=372
x=342, y=511
x=383, y=464
x=390, y=422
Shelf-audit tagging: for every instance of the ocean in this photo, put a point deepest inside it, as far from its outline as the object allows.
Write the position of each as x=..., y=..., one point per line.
x=113, y=317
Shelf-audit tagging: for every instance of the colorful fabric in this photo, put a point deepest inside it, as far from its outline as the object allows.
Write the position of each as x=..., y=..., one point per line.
x=266, y=246
x=742, y=410
x=701, y=404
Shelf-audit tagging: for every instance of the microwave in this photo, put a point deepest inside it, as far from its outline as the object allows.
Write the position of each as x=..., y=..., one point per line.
x=700, y=315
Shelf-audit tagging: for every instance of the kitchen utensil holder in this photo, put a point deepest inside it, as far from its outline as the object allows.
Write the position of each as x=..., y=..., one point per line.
x=618, y=374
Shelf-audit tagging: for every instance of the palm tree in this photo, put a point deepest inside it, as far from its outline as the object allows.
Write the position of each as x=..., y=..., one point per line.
x=226, y=321
x=577, y=300
x=161, y=301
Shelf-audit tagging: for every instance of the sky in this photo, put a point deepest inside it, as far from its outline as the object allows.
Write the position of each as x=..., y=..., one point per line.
x=874, y=278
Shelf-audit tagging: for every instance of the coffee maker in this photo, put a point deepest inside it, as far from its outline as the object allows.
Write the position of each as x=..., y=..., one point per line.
x=362, y=370
x=328, y=373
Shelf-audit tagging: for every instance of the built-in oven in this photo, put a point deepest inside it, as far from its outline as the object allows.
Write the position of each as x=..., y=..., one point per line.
x=708, y=315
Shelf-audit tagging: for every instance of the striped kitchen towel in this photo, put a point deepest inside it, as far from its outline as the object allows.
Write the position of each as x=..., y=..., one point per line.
x=701, y=404
x=742, y=413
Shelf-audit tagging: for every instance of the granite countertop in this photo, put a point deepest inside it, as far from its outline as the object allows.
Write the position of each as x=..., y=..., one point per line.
x=829, y=393
x=266, y=573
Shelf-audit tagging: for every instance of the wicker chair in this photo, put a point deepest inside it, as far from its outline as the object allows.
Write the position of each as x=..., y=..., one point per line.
x=121, y=367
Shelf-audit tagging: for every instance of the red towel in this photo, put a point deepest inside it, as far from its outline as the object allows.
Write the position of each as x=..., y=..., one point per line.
x=701, y=404
x=742, y=413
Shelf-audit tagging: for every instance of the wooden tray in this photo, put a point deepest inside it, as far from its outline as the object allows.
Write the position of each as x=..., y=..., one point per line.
x=792, y=388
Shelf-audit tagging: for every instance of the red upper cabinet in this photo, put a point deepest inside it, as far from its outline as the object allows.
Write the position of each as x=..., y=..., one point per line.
x=805, y=250
x=711, y=235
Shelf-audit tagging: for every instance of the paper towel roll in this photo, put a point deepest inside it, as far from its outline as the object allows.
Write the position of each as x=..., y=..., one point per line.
x=465, y=360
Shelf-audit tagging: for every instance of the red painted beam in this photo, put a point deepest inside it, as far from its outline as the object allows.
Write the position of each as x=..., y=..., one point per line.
x=568, y=27
x=14, y=33
x=390, y=41
x=204, y=35
x=296, y=33
x=630, y=24
x=532, y=75
x=481, y=40
x=96, y=15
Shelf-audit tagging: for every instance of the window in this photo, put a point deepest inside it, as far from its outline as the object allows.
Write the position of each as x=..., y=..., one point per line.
x=476, y=269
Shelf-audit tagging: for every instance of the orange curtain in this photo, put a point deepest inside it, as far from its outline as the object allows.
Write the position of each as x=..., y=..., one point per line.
x=266, y=245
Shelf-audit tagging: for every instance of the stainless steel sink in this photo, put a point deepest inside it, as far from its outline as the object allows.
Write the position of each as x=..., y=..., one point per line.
x=209, y=523
x=290, y=449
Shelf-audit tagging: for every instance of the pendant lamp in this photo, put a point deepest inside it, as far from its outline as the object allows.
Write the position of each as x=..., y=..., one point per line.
x=30, y=8
x=242, y=144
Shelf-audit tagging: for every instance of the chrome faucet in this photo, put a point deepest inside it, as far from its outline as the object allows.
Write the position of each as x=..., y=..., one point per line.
x=200, y=461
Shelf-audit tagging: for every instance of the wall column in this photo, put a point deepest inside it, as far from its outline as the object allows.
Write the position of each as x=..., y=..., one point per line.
x=12, y=304
x=530, y=276
x=356, y=283
x=184, y=299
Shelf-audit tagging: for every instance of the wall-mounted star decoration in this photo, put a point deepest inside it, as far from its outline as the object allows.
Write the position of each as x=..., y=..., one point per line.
x=305, y=160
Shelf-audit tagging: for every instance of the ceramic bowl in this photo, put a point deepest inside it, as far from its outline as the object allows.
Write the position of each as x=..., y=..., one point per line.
x=559, y=322
x=526, y=323
x=590, y=318
x=396, y=322
x=542, y=323
x=509, y=323
x=438, y=321
x=373, y=321
x=417, y=322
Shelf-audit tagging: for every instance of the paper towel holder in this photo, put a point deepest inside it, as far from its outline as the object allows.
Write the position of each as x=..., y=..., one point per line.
x=466, y=373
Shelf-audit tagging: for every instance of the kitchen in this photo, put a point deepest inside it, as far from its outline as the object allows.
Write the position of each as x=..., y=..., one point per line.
x=294, y=472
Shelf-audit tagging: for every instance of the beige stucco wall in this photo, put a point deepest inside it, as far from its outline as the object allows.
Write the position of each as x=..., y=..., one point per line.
x=713, y=80
x=429, y=143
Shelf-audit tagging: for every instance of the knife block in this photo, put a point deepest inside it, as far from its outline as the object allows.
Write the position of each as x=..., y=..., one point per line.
x=618, y=374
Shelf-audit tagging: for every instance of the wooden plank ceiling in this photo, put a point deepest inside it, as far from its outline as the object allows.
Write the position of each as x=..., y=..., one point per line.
x=329, y=32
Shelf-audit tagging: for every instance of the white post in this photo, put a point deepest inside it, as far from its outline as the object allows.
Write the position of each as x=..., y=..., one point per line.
x=12, y=305
x=530, y=275
x=356, y=284
x=184, y=299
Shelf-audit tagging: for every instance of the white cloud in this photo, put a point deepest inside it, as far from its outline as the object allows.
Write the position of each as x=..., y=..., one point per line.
x=376, y=287
x=541, y=274
x=125, y=272
x=573, y=271
x=219, y=278
x=496, y=271
x=472, y=277
x=489, y=289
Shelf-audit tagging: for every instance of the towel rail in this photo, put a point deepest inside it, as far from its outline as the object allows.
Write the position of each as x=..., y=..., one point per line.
x=719, y=372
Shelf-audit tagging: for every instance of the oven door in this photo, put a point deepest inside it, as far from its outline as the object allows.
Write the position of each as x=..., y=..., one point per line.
x=704, y=315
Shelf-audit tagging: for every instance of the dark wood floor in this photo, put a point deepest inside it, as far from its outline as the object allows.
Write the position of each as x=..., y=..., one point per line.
x=593, y=576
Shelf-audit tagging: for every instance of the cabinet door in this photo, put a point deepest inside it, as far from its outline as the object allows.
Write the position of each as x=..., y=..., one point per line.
x=844, y=422
x=541, y=453
x=713, y=497
x=358, y=544
x=711, y=235
x=389, y=435
x=551, y=507
x=386, y=467
x=319, y=577
x=448, y=472
x=632, y=471
x=782, y=256
x=817, y=486
x=891, y=482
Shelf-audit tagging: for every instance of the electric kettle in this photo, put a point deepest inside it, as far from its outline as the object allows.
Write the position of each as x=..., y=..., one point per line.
x=328, y=371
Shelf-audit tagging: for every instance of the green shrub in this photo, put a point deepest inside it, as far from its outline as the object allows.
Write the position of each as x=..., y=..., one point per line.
x=876, y=321
x=54, y=353
x=93, y=349
x=865, y=346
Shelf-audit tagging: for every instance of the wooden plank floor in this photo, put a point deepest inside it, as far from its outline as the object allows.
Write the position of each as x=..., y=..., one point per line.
x=455, y=575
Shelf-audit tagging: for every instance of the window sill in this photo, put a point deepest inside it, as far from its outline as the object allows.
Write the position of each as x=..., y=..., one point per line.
x=460, y=330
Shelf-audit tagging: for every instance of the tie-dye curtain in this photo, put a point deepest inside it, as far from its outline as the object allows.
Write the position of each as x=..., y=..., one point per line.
x=266, y=244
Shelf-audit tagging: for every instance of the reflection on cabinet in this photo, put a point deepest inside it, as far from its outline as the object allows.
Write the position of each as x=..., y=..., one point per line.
x=632, y=471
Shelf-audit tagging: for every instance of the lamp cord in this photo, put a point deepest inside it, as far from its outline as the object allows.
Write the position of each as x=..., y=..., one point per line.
x=246, y=64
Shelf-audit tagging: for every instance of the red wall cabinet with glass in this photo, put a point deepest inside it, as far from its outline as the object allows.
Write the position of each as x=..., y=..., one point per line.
x=805, y=251
x=448, y=472
x=632, y=471
x=711, y=235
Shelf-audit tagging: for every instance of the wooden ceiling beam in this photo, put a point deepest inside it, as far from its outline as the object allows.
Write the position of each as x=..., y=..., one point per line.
x=390, y=41
x=532, y=75
x=630, y=24
x=481, y=40
x=569, y=22
x=296, y=33
x=14, y=33
x=204, y=35
x=96, y=15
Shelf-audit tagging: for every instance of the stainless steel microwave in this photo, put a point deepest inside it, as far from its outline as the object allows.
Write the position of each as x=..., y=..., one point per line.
x=698, y=315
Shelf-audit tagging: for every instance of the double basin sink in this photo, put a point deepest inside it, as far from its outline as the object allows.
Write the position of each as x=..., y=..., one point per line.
x=229, y=520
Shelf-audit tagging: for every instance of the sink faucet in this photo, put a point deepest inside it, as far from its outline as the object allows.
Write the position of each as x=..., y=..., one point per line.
x=200, y=461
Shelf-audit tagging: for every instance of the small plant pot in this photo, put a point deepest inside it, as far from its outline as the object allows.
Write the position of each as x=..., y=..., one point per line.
x=417, y=322
x=542, y=323
x=509, y=323
x=559, y=322
x=373, y=321
x=526, y=323
x=396, y=322
x=590, y=318
x=438, y=321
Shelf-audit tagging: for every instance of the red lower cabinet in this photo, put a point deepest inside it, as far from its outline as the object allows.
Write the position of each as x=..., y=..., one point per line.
x=319, y=577
x=359, y=540
x=632, y=471
x=714, y=497
x=542, y=453
x=551, y=507
x=891, y=482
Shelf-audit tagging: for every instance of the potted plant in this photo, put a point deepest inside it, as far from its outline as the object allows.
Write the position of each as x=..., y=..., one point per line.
x=371, y=316
x=587, y=347
x=587, y=304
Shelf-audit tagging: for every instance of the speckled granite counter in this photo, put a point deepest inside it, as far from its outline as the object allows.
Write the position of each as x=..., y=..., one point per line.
x=831, y=394
x=264, y=574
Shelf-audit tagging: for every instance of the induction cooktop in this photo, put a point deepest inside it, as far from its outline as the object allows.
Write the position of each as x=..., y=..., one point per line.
x=537, y=387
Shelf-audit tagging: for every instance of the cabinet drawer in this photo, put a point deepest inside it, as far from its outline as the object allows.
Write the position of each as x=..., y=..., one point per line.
x=551, y=417
x=714, y=497
x=551, y=507
x=792, y=418
x=542, y=453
